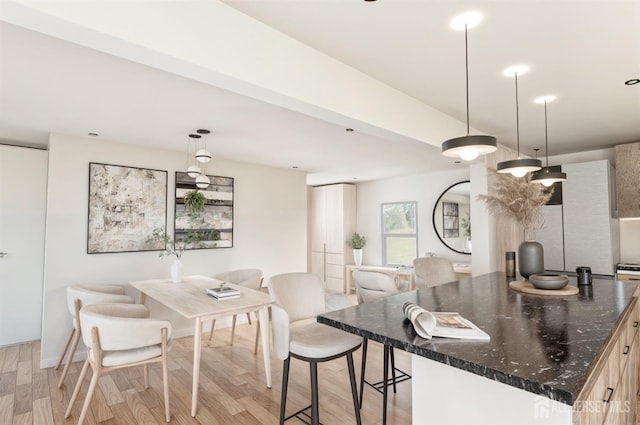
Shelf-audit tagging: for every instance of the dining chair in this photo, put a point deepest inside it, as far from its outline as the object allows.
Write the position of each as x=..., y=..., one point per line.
x=77, y=297
x=372, y=286
x=432, y=271
x=118, y=336
x=249, y=278
x=299, y=298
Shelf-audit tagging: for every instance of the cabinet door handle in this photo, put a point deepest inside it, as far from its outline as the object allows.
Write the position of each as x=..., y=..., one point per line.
x=635, y=324
x=608, y=398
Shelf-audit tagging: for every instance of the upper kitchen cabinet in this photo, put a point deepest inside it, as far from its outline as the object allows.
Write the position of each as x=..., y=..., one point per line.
x=582, y=230
x=333, y=220
x=628, y=180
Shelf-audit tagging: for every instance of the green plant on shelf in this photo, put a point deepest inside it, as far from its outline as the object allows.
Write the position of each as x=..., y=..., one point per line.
x=194, y=201
x=357, y=241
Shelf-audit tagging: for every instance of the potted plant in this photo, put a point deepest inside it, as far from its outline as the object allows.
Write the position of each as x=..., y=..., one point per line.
x=357, y=242
x=194, y=201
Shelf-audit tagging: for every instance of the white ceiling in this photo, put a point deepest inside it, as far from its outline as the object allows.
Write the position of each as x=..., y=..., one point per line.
x=581, y=51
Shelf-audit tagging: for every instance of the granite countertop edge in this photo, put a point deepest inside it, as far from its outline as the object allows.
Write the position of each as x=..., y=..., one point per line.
x=477, y=369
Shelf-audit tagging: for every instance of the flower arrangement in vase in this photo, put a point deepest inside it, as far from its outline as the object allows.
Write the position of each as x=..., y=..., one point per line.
x=521, y=201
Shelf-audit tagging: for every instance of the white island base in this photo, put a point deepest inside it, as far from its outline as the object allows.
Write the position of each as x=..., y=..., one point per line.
x=443, y=394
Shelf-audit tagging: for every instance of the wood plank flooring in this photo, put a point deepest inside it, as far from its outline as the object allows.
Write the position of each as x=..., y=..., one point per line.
x=232, y=388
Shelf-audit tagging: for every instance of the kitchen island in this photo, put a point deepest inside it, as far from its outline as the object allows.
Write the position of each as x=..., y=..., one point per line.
x=550, y=360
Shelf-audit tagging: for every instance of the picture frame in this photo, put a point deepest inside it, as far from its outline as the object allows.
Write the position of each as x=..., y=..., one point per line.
x=212, y=227
x=450, y=220
x=125, y=205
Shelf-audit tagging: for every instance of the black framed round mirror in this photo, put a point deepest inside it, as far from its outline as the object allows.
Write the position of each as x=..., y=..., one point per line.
x=452, y=217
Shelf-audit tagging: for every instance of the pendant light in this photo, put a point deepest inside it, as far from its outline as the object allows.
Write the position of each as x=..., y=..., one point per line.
x=518, y=167
x=193, y=170
x=546, y=176
x=203, y=155
x=468, y=147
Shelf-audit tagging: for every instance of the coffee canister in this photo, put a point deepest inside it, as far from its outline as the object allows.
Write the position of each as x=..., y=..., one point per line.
x=584, y=275
x=510, y=263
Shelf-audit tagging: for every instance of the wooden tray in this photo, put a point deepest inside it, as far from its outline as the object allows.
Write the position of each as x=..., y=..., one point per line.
x=528, y=288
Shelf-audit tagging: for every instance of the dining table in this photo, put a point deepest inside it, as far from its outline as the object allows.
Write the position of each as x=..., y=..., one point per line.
x=189, y=299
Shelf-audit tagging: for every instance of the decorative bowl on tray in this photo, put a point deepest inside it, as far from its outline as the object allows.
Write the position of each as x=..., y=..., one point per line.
x=549, y=280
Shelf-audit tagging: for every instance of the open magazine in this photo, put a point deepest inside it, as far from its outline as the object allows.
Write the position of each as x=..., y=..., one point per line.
x=446, y=325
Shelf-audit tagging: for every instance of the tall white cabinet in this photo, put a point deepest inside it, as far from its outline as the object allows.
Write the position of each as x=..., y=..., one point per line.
x=583, y=231
x=333, y=221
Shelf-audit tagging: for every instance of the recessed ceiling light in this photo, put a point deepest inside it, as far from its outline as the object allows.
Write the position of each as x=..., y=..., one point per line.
x=516, y=69
x=632, y=81
x=348, y=130
x=544, y=99
x=92, y=134
x=470, y=19
x=456, y=162
x=295, y=166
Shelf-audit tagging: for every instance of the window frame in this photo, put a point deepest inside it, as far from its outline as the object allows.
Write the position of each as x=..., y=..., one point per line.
x=385, y=235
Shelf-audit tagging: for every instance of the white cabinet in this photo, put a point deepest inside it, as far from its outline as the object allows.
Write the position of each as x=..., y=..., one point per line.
x=333, y=220
x=582, y=231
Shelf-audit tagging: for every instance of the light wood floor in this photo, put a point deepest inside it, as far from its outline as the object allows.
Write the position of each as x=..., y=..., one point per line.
x=232, y=388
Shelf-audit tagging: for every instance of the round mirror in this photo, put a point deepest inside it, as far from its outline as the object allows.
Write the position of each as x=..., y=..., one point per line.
x=452, y=217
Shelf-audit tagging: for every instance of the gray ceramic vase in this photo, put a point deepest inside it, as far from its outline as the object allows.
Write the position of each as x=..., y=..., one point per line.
x=530, y=258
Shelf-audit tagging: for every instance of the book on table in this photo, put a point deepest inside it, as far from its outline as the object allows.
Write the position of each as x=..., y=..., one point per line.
x=442, y=324
x=223, y=292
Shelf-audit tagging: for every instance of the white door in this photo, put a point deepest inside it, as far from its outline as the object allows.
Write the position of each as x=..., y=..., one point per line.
x=23, y=184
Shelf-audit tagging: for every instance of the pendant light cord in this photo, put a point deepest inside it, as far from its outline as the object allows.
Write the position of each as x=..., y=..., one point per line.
x=546, y=138
x=466, y=68
x=517, y=117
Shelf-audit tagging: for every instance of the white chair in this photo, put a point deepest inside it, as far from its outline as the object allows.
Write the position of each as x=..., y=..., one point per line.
x=372, y=286
x=299, y=298
x=432, y=271
x=77, y=297
x=249, y=278
x=117, y=336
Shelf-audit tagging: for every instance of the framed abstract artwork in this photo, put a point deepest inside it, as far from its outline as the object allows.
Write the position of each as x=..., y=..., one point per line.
x=450, y=222
x=212, y=227
x=125, y=205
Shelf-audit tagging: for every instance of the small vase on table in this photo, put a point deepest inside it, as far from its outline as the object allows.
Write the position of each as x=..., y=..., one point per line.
x=176, y=271
x=357, y=256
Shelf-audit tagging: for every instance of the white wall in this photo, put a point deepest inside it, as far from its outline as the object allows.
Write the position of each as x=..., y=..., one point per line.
x=423, y=188
x=269, y=228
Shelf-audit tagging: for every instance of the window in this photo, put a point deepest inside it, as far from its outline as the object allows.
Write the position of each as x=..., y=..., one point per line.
x=399, y=233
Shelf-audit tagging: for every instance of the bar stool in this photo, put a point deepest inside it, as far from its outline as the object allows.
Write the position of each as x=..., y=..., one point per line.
x=299, y=297
x=371, y=286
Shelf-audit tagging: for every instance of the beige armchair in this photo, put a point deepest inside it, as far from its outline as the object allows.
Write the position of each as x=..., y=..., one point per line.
x=249, y=278
x=77, y=297
x=299, y=298
x=432, y=271
x=117, y=336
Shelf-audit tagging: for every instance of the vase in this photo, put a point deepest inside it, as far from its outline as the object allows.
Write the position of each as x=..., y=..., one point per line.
x=530, y=258
x=176, y=271
x=357, y=257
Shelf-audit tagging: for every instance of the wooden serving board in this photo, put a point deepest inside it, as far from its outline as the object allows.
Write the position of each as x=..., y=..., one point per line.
x=528, y=288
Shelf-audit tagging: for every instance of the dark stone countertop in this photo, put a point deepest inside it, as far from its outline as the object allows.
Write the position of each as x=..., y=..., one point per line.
x=541, y=344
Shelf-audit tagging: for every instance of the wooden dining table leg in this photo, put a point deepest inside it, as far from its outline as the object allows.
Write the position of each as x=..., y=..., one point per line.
x=197, y=346
x=263, y=319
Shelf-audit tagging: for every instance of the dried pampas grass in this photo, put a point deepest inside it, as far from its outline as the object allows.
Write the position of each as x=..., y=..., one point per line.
x=516, y=199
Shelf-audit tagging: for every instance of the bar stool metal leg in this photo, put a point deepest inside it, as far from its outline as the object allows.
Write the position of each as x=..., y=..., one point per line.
x=354, y=391
x=385, y=387
x=285, y=383
x=362, y=369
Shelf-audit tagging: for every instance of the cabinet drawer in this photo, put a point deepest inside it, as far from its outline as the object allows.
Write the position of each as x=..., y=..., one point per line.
x=335, y=271
x=335, y=284
x=337, y=259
